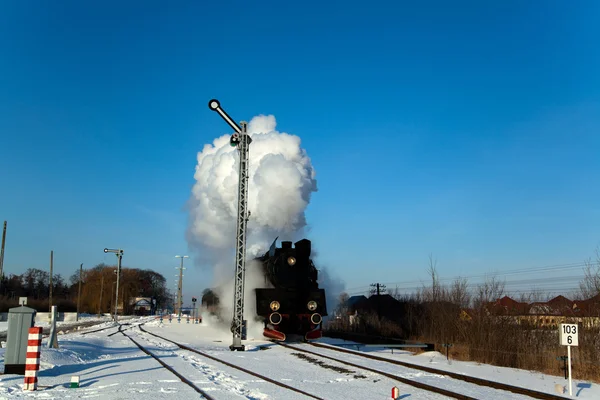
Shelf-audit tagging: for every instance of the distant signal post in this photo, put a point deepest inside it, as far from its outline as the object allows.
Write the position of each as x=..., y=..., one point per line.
x=119, y=254
x=568, y=335
x=179, y=288
x=242, y=141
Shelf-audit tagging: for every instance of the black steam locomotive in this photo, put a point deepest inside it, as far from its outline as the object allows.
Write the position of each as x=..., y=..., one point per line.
x=294, y=304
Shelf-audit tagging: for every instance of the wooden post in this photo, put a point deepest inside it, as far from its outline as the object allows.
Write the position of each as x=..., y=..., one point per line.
x=51, y=267
x=101, y=290
x=79, y=294
x=2, y=254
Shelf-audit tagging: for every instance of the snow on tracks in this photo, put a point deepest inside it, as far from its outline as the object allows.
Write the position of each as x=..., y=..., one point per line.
x=330, y=381
x=220, y=378
x=438, y=380
x=183, y=379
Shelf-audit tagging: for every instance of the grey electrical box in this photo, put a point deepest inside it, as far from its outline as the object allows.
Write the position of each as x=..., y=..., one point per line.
x=20, y=319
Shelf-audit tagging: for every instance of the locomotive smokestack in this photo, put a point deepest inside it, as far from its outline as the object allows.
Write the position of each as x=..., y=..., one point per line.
x=303, y=248
x=286, y=245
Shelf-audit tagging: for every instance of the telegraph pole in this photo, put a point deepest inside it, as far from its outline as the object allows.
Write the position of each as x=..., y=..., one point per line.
x=2, y=254
x=79, y=294
x=101, y=290
x=51, y=267
x=242, y=141
x=179, y=286
x=119, y=254
x=378, y=289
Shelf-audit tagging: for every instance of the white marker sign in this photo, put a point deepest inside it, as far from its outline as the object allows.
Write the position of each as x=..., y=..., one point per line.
x=569, y=334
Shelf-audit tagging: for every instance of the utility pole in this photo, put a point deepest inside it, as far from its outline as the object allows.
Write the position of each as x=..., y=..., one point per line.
x=51, y=268
x=123, y=300
x=179, y=286
x=112, y=296
x=242, y=141
x=119, y=254
x=378, y=289
x=101, y=291
x=2, y=254
x=79, y=294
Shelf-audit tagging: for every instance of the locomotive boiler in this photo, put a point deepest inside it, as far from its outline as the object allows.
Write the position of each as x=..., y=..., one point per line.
x=295, y=304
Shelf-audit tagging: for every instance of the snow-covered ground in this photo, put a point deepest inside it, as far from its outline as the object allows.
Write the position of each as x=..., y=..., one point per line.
x=511, y=376
x=83, y=318
x=112, y=367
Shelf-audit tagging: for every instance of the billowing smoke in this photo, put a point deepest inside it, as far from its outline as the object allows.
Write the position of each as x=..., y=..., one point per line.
x=281, y=181
x=333, y=286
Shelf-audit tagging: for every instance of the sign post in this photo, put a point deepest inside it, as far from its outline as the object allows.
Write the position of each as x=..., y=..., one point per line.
x=447, y=346
x=568, y=335
x=194, y=316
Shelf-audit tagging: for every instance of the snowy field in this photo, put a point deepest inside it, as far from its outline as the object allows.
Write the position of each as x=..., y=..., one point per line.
x=112, y=367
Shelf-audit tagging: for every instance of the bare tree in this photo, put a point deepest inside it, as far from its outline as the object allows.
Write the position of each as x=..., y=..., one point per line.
x=434, y=293
x=536, y=295
x=488, y=291
x=590, y=286
x=459, y=293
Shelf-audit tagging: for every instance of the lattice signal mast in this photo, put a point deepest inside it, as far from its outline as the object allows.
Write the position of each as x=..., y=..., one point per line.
x=242, y=141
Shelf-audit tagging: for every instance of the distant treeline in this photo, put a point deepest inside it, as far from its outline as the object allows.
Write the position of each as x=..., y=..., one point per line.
x=97, y=289
x=454, y=314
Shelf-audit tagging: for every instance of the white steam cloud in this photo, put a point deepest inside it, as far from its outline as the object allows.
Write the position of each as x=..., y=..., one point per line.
x=281, y=182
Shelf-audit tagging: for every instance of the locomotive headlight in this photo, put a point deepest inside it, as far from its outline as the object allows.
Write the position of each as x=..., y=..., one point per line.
x=312, y=305
x=274, y=305
x=291, y=260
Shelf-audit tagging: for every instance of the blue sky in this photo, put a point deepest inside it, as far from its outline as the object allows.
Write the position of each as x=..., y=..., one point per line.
x=470, y=131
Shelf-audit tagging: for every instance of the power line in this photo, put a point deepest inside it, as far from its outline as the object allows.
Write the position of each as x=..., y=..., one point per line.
x=538, y=283
x=490, y=274
x=377, y=289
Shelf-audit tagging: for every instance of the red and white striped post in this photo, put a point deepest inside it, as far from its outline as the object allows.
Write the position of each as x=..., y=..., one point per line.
x=32, y=361
x=395, y=393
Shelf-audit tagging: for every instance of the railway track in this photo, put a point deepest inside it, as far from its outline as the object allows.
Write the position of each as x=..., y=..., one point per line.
x=64, y=328
x=465, y=378
x=183, y=378
x=249, y=372
x=437, y=383
x=105, y=328
x=476, y=394
x=411, y=382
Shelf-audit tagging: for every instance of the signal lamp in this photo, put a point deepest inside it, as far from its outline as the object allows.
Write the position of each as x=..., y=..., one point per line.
x=274, y=305
x=234, y=140
x=312, y=305
x=291, y=261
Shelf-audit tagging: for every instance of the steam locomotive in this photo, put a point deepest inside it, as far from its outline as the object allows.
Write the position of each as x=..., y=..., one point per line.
x=294, y=304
